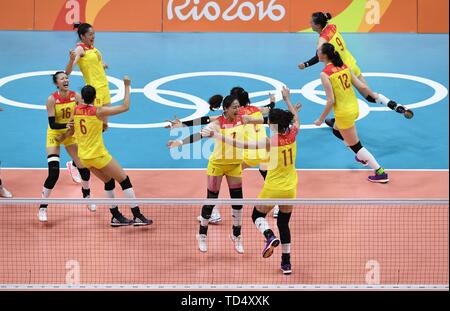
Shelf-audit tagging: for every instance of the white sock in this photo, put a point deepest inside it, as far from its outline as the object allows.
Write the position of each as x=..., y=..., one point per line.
x=286, y=248
x=111, y=195
x=262, y=224
x=364, y=155
x=129, y=194
x=382, y=100
x=237, y=217
x=46, y=192
x=204, y=222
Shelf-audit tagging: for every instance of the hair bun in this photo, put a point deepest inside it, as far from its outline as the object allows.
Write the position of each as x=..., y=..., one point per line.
x=76, y=25
x=215, y=102
x=328, y=16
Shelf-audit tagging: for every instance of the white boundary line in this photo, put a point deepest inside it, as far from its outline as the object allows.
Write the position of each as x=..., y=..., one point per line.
x=250, y=169
x=237, y=287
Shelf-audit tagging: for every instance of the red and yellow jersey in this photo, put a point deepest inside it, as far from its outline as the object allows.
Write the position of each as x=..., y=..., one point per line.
x=331, y=35
x=345, y=101
x=88, y=132
x=91, y=65
x=254, y=132
x=64, y=108
x=281, y=173
x=226, y=154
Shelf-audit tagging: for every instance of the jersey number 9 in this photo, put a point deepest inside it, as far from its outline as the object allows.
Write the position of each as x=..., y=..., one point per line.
x=341, y=45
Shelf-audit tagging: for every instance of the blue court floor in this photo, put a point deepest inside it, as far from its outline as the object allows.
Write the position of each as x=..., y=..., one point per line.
x=175, y=73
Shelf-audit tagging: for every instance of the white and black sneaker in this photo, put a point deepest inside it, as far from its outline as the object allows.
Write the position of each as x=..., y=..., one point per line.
x=120, y=221
x=42, y=215
x=140, y=220
x=202, y=246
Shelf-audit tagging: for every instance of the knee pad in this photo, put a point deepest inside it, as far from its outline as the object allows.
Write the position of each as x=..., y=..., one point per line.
x=283, y=227
x=207, y=209
x=212, y=195
x=84, y=173
x=257, y=214
x=338, y=134
x=236, y=193
x=110, y=185
x=356, y=147
x=126, y=184
x=53, y=171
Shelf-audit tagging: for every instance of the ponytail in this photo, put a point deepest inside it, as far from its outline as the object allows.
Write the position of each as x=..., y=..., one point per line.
x=337, y=60
x=333, y=55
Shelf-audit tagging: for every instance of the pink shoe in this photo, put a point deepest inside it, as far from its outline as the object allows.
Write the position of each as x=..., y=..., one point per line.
x=73, y=172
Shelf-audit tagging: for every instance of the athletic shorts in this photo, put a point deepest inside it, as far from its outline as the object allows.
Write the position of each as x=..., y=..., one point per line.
x=102, y=96
x=51, y=141
x=233, y=170
x=345, y=122
x=97, y=163
x=267, y=193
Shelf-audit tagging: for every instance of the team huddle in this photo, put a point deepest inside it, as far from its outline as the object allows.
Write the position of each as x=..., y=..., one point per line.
x=77, y=121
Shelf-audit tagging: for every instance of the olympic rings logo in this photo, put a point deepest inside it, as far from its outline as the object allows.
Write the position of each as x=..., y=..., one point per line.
x=200, y=107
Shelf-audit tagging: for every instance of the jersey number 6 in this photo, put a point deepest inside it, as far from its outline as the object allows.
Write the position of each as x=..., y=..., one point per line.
x=83, y=128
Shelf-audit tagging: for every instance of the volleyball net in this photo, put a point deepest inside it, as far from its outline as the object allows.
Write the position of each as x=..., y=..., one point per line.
x=334, y=244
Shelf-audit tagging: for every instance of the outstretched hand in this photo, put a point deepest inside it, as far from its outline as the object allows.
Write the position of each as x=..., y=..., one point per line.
x=126, y=81
x=72, y=55
x=286, y=93
x=176, y=123
x=318, y=122
x=174, y=144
